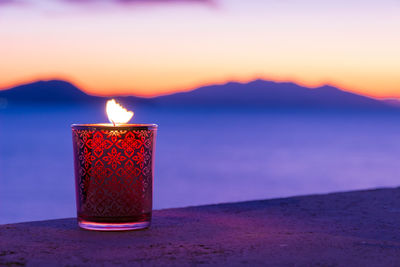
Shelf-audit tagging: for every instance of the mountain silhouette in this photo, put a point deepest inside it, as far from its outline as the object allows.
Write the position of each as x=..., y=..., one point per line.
x=269, y=94
x=53, y=91
x=258, y=94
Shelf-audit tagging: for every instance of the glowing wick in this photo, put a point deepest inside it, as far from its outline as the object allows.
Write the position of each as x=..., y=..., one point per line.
x=116, y=113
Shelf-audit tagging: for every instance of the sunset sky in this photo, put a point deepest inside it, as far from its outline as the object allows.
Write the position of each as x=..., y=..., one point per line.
x=150, y=47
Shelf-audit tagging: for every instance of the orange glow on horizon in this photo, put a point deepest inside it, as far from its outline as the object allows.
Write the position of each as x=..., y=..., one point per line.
x=148, y=93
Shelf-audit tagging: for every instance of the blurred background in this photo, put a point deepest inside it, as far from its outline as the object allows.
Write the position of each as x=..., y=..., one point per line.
x=254, y=99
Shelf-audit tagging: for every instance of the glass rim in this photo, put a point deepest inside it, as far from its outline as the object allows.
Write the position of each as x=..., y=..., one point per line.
x=149, y=126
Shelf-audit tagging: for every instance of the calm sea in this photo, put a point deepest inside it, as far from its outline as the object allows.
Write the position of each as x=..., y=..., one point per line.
x=202, y=156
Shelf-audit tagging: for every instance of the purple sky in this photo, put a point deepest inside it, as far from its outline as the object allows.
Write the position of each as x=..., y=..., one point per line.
x=151, y=47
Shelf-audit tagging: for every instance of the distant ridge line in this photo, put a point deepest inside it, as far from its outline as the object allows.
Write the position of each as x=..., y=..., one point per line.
x=258, y=93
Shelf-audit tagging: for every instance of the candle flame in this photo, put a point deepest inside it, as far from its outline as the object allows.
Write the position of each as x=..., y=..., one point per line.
x=116, y=113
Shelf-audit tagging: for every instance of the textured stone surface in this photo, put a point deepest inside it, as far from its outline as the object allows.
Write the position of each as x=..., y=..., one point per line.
x=359, y=228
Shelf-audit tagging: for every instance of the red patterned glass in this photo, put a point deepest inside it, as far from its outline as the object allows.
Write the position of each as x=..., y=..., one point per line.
x=114, y=175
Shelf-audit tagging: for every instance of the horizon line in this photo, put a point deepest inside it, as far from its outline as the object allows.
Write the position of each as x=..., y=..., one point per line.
x=201, y=85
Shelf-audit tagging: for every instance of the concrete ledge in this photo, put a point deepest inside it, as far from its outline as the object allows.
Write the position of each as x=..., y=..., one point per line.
x=359, y=228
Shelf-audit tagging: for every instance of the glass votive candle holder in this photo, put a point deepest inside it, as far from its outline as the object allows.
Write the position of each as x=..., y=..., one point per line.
x=114, y=175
